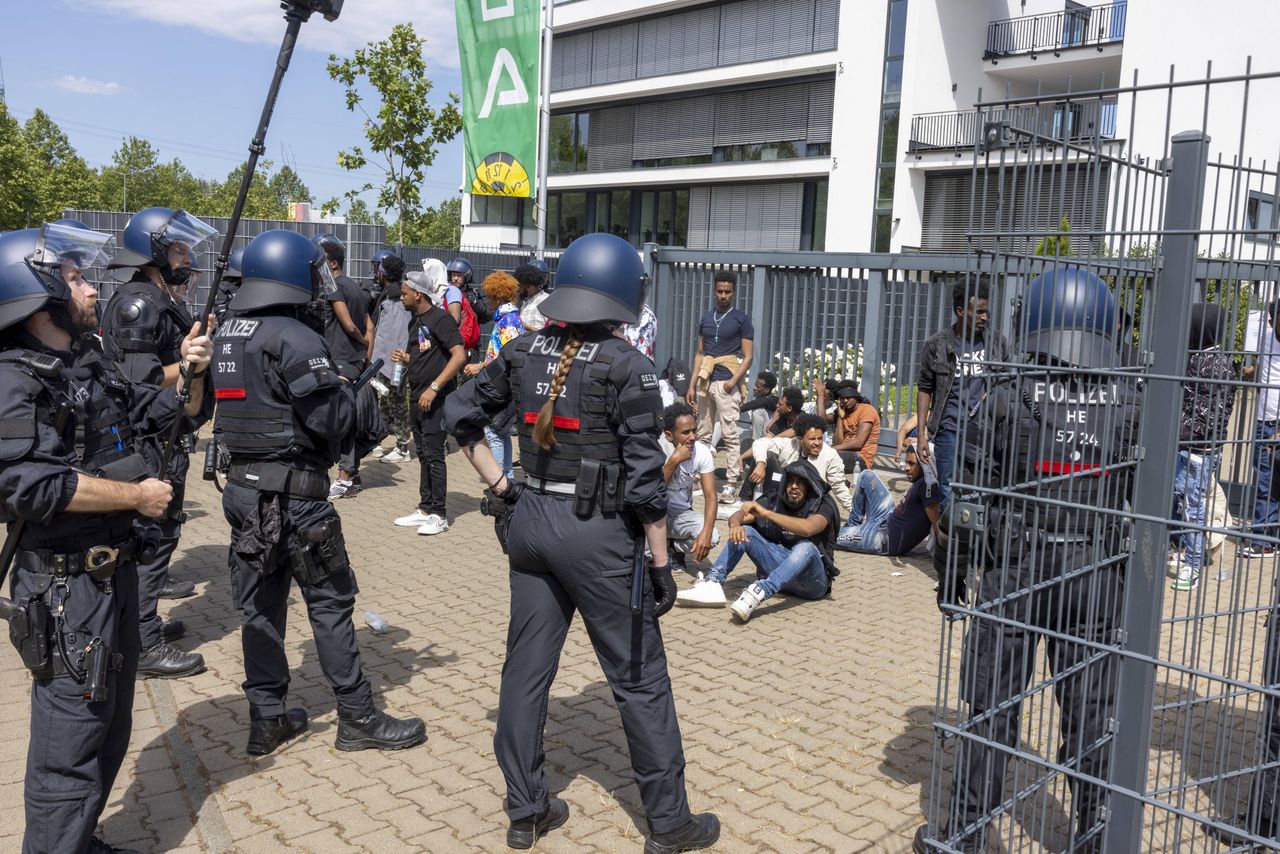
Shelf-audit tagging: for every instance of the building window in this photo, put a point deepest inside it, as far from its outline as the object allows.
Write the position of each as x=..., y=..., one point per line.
x=502, y=210
x=813, y=218
x=1260, y=215
x=639, y=216
x=568, y=142
x=890, y=98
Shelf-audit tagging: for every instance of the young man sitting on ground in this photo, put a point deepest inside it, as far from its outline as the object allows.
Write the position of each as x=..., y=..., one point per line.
x=781, y=425
x=688, y=531
x=807, y=444
x=762, y=404
x=877, y=527
x=857, y=425
x=789, y=535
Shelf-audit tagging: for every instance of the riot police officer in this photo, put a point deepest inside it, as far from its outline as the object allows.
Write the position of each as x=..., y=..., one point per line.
x=143, y=327
x=72, y=484
x=588, y=407
x=285, y=416
x=1053, y=436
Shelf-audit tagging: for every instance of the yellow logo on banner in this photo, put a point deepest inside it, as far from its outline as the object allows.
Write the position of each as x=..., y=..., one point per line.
x=500, y=174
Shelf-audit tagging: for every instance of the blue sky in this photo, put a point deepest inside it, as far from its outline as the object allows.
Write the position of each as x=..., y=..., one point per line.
x=191, y=76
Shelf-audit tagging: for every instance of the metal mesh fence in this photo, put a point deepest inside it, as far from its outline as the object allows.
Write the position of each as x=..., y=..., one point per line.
x=1108, y=658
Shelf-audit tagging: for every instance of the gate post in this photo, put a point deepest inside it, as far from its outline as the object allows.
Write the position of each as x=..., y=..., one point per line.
x=1173, y=288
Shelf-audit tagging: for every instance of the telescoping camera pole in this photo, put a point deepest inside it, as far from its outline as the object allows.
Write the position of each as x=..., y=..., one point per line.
x=296, y=12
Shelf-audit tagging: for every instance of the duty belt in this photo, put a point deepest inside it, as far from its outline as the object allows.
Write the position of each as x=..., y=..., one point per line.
x=552, y=487
x=98, y=561
x=279, y=477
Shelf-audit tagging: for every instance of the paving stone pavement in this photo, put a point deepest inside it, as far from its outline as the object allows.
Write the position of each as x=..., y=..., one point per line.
x=806, y=730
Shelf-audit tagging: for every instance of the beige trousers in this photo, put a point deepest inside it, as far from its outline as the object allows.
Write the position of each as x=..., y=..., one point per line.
x=714, y=405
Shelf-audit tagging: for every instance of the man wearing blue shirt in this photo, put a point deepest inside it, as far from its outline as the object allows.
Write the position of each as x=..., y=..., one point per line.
x=721, y=360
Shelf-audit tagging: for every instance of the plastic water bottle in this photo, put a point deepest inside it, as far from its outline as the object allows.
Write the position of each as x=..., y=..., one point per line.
x=397, y=374
x=374, y=621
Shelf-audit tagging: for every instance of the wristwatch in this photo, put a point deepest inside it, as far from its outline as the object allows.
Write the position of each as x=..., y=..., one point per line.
x=435, y=386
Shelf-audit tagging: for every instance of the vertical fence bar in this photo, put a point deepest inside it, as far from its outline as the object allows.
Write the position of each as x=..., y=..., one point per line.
x=760, y=320
x=664, y=306
x=872, y=338
x=1174, y=289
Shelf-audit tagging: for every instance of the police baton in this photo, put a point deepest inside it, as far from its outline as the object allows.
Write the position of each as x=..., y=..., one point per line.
x=637, y=578
x=367, y=374
x=296, y=12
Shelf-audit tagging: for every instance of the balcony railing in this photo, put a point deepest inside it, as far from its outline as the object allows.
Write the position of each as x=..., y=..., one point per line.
x=1068, y=121
x=1095, y=26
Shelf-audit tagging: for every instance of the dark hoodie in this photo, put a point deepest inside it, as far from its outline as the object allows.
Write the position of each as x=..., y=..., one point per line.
x=1206, y=400
x=819, y=500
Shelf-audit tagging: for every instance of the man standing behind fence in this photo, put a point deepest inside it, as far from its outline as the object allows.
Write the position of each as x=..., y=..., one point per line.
x=1262, y=339
x=724, y=332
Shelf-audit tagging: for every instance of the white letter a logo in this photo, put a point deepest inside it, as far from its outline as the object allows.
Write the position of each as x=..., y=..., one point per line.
x=517, y=94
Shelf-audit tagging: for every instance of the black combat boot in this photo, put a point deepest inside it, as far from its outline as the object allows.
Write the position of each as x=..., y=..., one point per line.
x=526, y=831
x=176, y=589
x=379, y=731
x=700, y=832
x=163, y=661
x=172, y=630
x=266, y=733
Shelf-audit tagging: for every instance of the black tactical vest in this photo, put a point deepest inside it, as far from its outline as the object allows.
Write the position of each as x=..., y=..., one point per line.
x=584, y=429
x=161, y=323
x=1067, y=438
x=254, y=421
x=99, y=432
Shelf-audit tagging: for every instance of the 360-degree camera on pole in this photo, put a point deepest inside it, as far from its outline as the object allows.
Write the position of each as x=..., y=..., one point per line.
x=296, y=13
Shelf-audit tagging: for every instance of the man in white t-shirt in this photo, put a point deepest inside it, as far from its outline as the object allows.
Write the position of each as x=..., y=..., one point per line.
x=1262, y=339
x=689, y=531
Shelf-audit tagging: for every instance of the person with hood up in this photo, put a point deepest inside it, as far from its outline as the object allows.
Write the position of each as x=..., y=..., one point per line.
x=789, y=535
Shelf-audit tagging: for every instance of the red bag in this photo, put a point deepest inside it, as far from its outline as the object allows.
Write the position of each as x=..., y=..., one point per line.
x=470, y=327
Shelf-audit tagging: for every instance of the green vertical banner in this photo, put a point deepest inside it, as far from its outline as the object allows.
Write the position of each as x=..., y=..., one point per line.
x=499, y=43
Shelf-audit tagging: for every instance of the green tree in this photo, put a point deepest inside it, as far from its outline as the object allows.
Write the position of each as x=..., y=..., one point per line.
x=263, y=202
x=439, y=226
x=359, y=212
x=63, y=179
x=19, y=181
x=1051, y=246
x=286, y=186
x=136, y=179
x=404, y=130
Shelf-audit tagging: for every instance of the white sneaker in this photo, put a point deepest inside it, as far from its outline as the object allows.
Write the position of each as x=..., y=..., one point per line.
x=729, y=493
x=338, y=488
x=727, y=509
x=433, y=525
x=747, y=602
x=378, y=452
x=395, y=455
x=704, y=593
x=414, y=519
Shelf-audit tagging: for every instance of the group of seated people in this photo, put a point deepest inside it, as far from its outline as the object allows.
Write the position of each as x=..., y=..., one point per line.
x=796, y=506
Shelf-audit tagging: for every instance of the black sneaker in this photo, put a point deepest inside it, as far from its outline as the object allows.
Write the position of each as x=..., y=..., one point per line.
x=379, y=731
x=268, y=733
x=163, y=661
x=172, y=630
x=699, y=832
x=1254, y=550
x=176, y=589
x=98, y=845
x=919, y=845
x=526, y=831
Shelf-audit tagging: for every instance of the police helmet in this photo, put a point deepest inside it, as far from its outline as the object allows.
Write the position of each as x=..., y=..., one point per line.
x=235, y=265
x=599, y=277
x=1068, y=315
x=31, y=262
x=380, y=256
x=463, y=266
x=539, y=265
x=282, y=267
x=151, y=231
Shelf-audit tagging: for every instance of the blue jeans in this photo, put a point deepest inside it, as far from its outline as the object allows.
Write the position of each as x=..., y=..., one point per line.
x=872, y=506
x=944, y=458
x=1192, y=481
x=797, y=571
x=1266, y=511
x=501, y=448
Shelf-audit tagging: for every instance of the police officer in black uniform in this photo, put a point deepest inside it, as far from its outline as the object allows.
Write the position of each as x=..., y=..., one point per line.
x=285, y=416
x=143, y=328
x=588, y=413
x=1046, y=432
x=72, y=484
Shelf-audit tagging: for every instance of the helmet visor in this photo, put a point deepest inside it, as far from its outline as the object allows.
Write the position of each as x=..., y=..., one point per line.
x=58, y=244
x=326, y=287
x=185, y=230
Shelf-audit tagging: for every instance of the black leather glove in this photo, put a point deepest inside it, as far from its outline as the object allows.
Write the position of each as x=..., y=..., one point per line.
x=511, y=494
x=664, y=588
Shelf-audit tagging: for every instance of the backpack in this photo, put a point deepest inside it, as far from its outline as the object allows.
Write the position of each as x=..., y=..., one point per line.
x=470, y=327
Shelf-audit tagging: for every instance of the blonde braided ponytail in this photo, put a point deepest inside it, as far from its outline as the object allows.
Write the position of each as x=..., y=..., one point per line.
x=544, y=431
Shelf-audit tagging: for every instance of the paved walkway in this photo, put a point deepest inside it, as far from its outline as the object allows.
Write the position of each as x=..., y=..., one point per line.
x=806, y=730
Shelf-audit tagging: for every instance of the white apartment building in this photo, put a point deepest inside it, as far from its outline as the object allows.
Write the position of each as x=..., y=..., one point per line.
x=849, y=125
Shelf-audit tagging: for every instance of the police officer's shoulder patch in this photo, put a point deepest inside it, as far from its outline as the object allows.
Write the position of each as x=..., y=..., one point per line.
x=649, y=381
